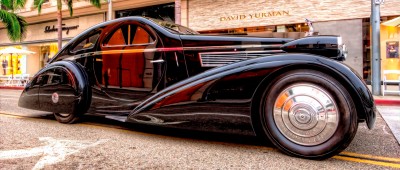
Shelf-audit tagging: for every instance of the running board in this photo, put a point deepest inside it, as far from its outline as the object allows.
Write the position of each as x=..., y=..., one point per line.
x=118, y=118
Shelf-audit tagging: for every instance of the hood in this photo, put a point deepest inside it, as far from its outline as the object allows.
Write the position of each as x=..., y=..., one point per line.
x=221, y=40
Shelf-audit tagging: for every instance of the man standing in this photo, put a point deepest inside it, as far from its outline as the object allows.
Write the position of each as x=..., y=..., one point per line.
x=4, y=64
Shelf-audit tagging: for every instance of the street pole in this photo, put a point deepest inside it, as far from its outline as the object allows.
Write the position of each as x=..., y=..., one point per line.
x=109, y=10
x=376, y=47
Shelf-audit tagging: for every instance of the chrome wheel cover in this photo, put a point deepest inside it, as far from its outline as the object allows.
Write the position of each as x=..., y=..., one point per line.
x=306, y=114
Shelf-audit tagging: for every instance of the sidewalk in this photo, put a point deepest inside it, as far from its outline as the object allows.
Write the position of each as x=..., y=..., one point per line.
x=12, y=87
x=390, y=99
x=388, y=107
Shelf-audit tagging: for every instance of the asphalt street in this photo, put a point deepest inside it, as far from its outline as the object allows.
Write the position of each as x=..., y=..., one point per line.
x=391, y=115
x=35, y=140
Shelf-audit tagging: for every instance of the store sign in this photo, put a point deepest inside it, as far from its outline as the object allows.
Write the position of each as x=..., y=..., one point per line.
x=48, y=29
x=254, y=16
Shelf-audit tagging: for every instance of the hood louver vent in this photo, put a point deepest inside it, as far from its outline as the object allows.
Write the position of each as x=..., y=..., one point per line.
x=215, y=59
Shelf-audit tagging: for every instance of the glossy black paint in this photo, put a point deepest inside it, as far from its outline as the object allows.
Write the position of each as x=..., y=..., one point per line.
x=328, y=46
x=236, y=87
x=65, y=78
x=188, y=81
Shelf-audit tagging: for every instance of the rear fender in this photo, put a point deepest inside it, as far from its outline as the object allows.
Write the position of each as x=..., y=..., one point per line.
x=82, y=90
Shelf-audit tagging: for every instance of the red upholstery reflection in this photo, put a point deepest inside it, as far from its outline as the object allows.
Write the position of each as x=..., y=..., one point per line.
x=183, y=96
x=126, y=69
x=117, y=39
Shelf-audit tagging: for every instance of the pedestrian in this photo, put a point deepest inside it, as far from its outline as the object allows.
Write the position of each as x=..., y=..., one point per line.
x=4, y=64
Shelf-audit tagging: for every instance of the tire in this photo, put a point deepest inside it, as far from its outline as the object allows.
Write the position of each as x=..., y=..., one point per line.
x=307, y=114
x=81, y=92
x=67, y=118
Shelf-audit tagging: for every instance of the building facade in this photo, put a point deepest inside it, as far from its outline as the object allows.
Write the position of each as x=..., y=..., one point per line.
x=41, y=36
x=286, y=18
x=267, y=18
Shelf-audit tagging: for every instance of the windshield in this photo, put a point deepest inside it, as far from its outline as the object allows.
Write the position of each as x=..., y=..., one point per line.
x=174, y=28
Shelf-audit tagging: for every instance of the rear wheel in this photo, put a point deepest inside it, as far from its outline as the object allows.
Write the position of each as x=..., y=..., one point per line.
x=67, y=118
x=308, y=114
x=73, y=97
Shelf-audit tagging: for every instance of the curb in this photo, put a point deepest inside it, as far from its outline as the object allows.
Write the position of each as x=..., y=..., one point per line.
x=12, y=87
x=387, y=102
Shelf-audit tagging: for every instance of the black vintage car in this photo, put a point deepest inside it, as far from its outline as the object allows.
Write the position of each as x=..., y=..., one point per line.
x=141, y=70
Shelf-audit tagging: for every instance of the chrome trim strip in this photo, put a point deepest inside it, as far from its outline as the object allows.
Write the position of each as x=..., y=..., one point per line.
x=176, y=59
x=129, y=45
x=232, y=47
x=202, y=48
x=157, y=61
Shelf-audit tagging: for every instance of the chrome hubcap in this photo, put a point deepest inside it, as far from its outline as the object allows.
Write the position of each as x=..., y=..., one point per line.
x=64, y=114
x=306, y=114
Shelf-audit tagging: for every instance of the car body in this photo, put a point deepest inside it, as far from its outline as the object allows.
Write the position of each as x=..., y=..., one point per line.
x=141, y=70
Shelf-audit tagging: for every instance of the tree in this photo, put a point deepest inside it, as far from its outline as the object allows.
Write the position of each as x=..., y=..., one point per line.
x=15, y=24
x=38, y=4
x=178, y=11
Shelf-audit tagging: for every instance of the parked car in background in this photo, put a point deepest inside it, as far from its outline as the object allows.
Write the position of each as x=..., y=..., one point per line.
x=295, y=93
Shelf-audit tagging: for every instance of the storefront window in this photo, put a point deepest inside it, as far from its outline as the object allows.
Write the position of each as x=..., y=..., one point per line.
x=294, y=31
x=46, y=52
x=27, y=63
x=390, y=38
x=11, y=63
x=163, y=12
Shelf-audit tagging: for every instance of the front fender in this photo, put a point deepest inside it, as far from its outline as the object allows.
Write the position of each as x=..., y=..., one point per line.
x=365, y=106
x=358, y=90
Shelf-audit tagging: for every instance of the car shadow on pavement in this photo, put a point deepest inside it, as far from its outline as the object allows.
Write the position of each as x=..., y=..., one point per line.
x=171, y=132
x=167, y=131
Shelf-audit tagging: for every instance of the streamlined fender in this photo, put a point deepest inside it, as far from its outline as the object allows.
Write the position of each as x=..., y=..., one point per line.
x=306, y=113
x=230, y=93
x=60, y=87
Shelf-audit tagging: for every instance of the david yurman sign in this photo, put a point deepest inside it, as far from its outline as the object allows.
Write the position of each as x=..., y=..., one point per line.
x=48, y=29
x=254, y=15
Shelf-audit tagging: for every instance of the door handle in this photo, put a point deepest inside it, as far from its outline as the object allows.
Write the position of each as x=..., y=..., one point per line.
x=157, y=61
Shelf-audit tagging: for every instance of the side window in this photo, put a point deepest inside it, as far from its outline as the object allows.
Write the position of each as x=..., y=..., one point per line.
x=87, y=43
x=117, y=38
x=141, y=37
x=129, y=35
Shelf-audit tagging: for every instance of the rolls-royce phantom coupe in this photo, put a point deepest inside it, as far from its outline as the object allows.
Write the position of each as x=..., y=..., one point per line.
x=295, y=93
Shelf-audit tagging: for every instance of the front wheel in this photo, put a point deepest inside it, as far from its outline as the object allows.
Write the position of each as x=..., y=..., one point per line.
x=308, y=114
